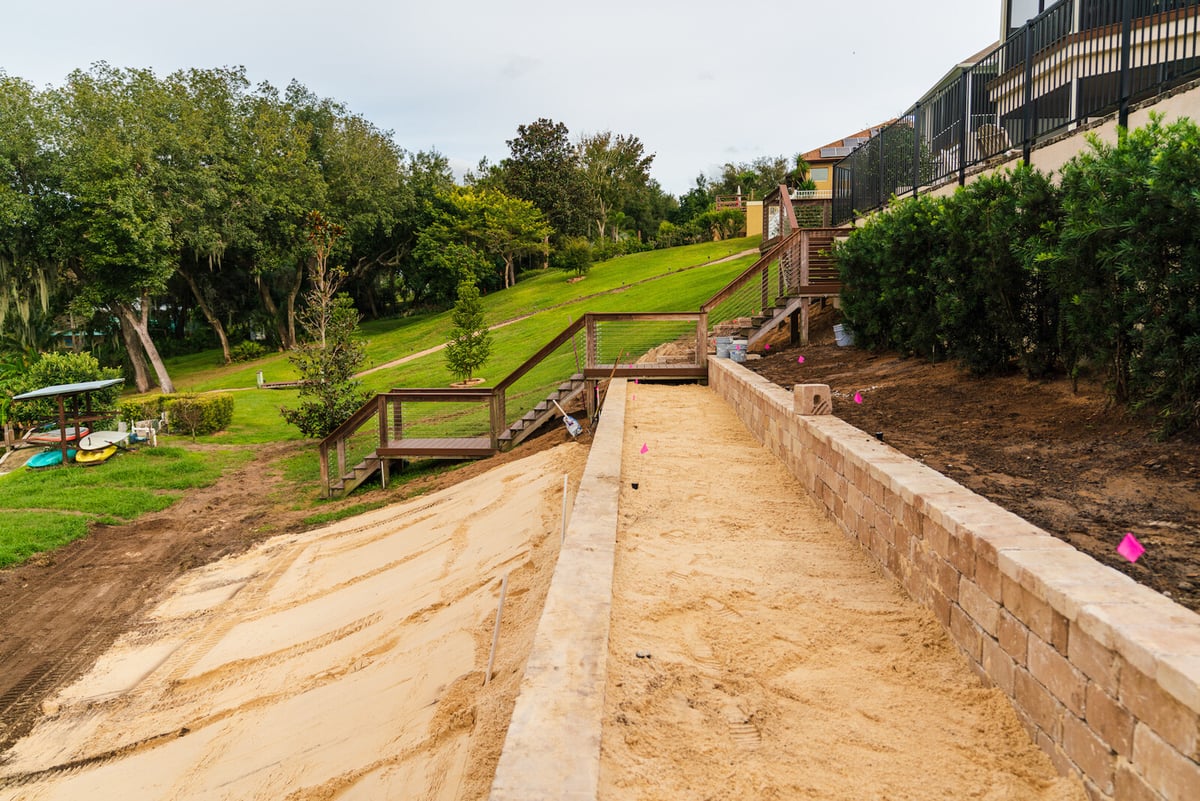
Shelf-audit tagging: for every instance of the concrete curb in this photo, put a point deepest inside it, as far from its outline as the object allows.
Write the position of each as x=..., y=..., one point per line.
x=552, y=750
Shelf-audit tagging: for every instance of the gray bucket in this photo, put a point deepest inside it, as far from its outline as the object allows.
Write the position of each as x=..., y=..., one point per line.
x=723, y=344
x=843, y=335
x=737, y=350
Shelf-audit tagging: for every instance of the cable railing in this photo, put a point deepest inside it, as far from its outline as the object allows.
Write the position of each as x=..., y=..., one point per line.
x=1076, y=61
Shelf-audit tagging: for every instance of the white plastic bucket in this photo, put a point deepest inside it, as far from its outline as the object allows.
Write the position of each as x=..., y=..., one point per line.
x=843, y=335
x=737, y=350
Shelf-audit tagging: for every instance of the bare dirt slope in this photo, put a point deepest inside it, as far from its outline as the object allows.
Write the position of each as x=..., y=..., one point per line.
x=60, y=611
x=1063, y=460
x=343, y=662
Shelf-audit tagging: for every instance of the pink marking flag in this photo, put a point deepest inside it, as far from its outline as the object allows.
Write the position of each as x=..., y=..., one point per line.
x=767, y=346
x=1130, y=548
x=858, y=397
x=799, y=360
x=644, y=448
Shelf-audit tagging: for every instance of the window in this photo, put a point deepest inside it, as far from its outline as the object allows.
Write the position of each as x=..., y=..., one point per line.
x=1021, y=11
x=819, y=174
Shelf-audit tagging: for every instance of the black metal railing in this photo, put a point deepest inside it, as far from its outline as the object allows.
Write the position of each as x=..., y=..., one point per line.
x=1077, y=60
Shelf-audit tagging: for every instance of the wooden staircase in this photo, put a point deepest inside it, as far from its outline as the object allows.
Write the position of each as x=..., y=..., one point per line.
x=536, y=417
x=351, y=479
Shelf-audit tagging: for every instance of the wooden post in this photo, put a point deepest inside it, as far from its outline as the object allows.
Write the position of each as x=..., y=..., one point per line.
x=590, y=345
x=496, y=630
x=702, y=340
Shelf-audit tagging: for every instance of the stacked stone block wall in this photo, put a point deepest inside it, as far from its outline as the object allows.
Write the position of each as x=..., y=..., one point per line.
x=1103, y=672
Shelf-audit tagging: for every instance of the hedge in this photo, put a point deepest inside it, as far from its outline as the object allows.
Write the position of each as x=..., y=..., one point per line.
x=1100, y=272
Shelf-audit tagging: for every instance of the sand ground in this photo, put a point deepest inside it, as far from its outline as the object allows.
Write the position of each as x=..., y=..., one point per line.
x=342, y=663
x=348, y=662
x=756, y=653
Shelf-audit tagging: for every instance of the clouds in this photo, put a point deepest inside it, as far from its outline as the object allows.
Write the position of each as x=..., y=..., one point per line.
x=700, y=83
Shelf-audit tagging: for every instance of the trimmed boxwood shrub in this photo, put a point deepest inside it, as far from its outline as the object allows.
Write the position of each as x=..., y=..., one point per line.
x=199, y=415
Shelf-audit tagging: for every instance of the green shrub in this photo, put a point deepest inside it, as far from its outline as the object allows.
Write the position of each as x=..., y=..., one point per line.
x=574, y=254
x=61, y=368
x=247, y=351
x=199, y=415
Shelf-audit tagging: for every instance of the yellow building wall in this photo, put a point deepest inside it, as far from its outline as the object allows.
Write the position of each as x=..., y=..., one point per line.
x=754, y=214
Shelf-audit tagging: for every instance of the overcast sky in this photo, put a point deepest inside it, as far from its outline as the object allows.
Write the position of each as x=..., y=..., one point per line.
x=700, y=83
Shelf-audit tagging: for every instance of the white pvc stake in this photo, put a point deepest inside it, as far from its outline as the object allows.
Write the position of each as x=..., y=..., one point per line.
x=563, y=538
x=496, y=630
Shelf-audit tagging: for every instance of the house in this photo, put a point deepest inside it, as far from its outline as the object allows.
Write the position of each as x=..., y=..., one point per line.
x=821, y=160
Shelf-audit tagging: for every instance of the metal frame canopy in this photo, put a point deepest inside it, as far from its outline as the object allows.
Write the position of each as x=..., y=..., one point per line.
x=73, y=391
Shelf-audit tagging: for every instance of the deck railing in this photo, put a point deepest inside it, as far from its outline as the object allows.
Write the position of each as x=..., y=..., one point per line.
x=1077, y=61
x=462, y=422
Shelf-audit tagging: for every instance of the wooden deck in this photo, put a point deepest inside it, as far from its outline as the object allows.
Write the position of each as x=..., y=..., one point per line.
x=445, y=447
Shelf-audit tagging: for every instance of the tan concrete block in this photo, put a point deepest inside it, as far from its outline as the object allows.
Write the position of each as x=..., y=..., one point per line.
x=1097, y=662
x=961, y=554
x=1060, y=631
x=1038, y=703
x=964, y=632
x=987, y=576
x=1149, y=702
x=1056, y=674
x=1131, y=787
x=1013, y=637
x=1179, y=675
x=1166, y=770
x=976, y=603
x=937, y=537
x=945, y=578
x=1089, y=753
x=1026, y=607
x=998, y=664
x=940, y=605
x=1110, y=720
x=1145, y=633
x=1062, y=763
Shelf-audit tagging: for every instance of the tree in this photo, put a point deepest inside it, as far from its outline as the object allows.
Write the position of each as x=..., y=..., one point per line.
x=470, y=342
x=494, y=223
x=331, y=355
x=614, y=168
x=116, y=229
x=27, y=275
x=543, y=169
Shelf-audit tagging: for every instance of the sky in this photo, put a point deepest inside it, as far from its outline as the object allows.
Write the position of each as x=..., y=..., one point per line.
x=700, y=83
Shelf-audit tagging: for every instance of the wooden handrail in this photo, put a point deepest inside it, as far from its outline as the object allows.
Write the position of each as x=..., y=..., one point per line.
x=750, y=272
x=546, y=350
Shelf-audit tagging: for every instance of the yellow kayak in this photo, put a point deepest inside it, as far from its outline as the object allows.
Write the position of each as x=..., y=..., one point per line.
x=95, y=457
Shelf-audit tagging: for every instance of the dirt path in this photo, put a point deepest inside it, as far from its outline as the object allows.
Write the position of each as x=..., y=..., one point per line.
x=755, y=653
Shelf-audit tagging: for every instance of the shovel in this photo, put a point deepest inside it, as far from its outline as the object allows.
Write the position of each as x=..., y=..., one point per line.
x=573, y=427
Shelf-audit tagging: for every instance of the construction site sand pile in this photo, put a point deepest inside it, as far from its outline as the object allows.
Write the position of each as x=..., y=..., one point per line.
x=346, y=662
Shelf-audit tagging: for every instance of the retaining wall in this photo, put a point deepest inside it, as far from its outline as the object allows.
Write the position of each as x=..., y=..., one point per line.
x=1103, y=672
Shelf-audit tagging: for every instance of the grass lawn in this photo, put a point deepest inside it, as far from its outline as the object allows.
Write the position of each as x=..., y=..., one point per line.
x=46, y=509
x=51, y=507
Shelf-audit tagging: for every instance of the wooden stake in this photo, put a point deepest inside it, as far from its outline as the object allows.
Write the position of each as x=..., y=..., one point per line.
x=563, y=539
x=496, y=631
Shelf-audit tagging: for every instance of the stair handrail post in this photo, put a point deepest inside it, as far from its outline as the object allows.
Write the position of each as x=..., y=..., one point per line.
x=702, y=339
x=498, y=414
x=804, y=247
x=341, y=457
x=590, y=345
x=323, y=451
x=381, y=415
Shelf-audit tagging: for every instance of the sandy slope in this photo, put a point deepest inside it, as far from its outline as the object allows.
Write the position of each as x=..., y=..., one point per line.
x=781, y=663
x=345, y=662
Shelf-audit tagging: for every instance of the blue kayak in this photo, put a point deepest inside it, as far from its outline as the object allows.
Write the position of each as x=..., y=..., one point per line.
x=49, y=458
